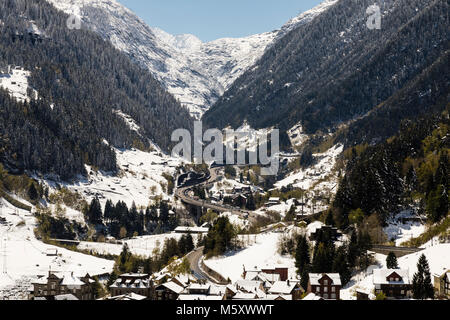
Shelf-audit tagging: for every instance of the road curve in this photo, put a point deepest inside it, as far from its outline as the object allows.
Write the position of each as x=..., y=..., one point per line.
x=181, y=193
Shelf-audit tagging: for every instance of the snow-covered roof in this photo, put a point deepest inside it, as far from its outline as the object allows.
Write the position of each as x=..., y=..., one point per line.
x=173, y=287
x=380, y=276
x=248, y=285
x=191, y=297
x=197, y=286
x=312, y=296
x=282, y=287
x=192, y=229
x=66, y=297
x=215, y=290
x=244, y=296
x=128, y=296
x=72, y=281
x=315, y=277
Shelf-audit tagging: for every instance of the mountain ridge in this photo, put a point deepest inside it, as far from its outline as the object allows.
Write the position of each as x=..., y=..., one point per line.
x=195, y=73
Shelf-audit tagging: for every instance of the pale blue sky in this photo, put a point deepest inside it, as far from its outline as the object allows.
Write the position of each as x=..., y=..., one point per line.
x=213, y=19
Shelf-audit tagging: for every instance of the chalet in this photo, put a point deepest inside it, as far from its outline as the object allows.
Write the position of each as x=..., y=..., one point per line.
x=57, y=283
x=277, y=269
x=168, y=291
x=394, y=283
x=442, y=284
x=268, y=273
x=273, y=201
x=287, y=288
x=249, y=287
x=330, y=231
x=137, y=283
x=326, y=285
x=239, y=200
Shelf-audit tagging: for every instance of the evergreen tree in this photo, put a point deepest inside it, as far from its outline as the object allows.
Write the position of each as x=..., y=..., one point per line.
x=391, y=261
x=304, y=278
x=109, y=211
x=94, y=213
x=422, y=286
x=302, y=256
x=341, y=265
x=32, y=192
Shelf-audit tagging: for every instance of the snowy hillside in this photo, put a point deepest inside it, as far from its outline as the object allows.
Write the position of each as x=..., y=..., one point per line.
x=15, y=81
x=196, y=73
x=25, y=257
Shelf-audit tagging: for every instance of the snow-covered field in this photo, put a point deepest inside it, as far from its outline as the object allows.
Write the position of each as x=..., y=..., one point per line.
x=143, y=245
x=261, y=253
x=16, y=83
x=23, y=257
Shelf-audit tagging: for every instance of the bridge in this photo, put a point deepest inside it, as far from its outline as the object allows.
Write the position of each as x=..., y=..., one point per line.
x=399, y=251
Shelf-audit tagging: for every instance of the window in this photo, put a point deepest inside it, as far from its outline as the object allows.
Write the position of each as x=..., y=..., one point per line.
x=325, y=282
x=333, y=289
x=317, y=289
x=333, y=296
x=325, y=289
x=396, y=279
x=403, y=292
x=325, y=296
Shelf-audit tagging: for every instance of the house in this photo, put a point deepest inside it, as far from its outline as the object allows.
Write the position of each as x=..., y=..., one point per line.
x=168, y=291
x=325, y=285
x=58, y=283
x=394, y=283
x=239, y=200
x=137, y=283
x=442, y=284
x=273, y=201
x=287, y=288
x=197, y=289
x=277, y=269
x=329, y=231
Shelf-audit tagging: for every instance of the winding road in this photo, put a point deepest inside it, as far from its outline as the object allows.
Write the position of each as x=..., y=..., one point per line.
x=182, y=194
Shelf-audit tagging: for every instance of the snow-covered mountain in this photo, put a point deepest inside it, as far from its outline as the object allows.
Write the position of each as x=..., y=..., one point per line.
x=196, y=73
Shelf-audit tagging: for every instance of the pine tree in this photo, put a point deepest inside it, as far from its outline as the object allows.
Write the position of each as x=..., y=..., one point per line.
x=304, y=278
x=422, y=286
x=32, y=192
x=341, y=265
x=94, y=213
x=302, y=256
x=391, y=261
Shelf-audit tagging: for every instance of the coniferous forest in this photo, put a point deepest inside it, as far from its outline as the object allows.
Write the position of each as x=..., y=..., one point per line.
x=85, y=80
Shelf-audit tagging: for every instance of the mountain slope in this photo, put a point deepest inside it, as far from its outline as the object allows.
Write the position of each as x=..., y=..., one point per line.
x=196, y=73
x=335, y=69
x=80, y=92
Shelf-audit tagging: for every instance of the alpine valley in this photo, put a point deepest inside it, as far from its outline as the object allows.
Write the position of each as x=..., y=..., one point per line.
x=93, y=204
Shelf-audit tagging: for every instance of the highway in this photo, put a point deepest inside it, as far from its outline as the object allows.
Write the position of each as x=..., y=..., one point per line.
x=182, y=194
